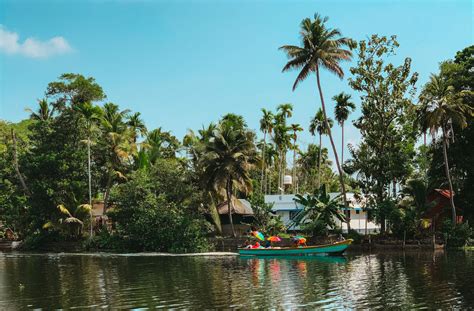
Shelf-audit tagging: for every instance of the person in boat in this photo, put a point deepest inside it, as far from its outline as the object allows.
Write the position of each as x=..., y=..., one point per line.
x=247, y=244
x=256, y=245
x=268, y=244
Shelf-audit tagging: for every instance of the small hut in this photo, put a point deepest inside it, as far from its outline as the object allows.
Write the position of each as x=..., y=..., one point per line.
x=242, y=216
x=440, y=209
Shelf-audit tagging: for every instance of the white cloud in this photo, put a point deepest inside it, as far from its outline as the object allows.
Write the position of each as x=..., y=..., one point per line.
x=31, y=47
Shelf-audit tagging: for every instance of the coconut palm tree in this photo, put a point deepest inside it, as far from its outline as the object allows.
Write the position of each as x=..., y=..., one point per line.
x=229, y=156
x=319, y=124
x=282, y=138
x=295, y=128
x=161, y=144
x=308, y=161
x=266, y=126
x=343, y=108
x=136, y=125
x=44, y=113
x=286, y=110
x=117, y=139
x=440, y=109
x=91, y=115
x=321, y=48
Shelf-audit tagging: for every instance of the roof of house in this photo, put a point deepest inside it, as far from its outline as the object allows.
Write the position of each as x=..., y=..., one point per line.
x=445, y=193
x=286, y=201
x=240, y=207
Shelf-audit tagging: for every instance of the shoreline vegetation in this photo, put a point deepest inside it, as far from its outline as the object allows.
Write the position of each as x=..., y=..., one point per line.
x=160, y=193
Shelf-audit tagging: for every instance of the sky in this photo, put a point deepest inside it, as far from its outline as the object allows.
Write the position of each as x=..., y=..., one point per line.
x=183, y=64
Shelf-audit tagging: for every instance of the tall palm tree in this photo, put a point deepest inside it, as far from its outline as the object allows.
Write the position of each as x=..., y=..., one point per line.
x=321, y=47
x=91, y=115
x=282, y=138
x=137, y=126
x=343, y=108
x=286, y=110
x=44, y=113
x=229, y=156
x=117, y=139
x=271, y=156
x=161, y=144
x=295, y=128
x=308, y=161
x=440, y=109
x=320, y=124
x=266, y=126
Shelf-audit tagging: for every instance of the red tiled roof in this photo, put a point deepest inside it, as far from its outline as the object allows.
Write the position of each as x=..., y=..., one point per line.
x=445, y=193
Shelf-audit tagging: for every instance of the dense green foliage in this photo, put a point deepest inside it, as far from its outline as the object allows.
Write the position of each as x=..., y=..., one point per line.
x=159, y=193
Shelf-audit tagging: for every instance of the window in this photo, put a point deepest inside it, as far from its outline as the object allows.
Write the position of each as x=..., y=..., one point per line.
x=357, y=212
x=293, y=214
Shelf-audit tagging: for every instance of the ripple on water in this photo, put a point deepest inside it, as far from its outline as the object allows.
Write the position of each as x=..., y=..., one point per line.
x=362, y=281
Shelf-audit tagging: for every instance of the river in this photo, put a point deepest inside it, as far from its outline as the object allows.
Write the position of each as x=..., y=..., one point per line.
x=358, y=280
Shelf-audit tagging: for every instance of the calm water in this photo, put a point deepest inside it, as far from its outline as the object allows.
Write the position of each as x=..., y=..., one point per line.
x=382, y=280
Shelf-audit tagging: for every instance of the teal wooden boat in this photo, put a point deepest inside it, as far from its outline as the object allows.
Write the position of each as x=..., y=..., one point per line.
x=329, y=249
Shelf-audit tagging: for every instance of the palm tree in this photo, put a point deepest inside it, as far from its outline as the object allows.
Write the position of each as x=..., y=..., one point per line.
x=161, y=144
x=308, y=161
x=295, y=128
x=321, y=47
x=343, y=108
x=137, y=126
x=440, y=109
x=229, y=156
x=286, y=110
x=44, y=113
x=70, y=220
x=320, y=124
x=266, y=126
x=281, y=138
x=117, y=139
x=91, y=115
x=271, y=155
x=195, y=144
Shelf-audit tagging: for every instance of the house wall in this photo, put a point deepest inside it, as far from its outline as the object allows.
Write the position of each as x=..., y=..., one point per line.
x=284, y=204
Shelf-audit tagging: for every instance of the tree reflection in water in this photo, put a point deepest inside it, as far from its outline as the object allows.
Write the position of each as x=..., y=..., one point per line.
x=385, y=280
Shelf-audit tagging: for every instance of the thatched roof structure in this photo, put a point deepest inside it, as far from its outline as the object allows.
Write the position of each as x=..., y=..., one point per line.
x=240, y=207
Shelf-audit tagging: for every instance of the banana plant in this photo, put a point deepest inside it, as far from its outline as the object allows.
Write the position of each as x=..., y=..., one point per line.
x=319, y=208
x=70, y=221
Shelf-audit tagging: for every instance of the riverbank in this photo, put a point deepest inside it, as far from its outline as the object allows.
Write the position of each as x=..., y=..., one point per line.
x=221, y=246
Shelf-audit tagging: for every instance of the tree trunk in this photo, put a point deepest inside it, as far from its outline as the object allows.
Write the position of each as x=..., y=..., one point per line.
x=319, y=161
x=263, y=162
x=294, y=167
x=89, y=177
x=341, y=173
x=342, y=143
x=214, y=213
x=107, y=192
x=230, y=205
x=17, y=166
x=448, y=176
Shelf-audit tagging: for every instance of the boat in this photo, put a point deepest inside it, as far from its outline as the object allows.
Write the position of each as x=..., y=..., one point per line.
x=336, y=248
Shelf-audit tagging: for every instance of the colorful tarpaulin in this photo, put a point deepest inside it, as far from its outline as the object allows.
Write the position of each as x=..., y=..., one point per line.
x=258, y=235
x=274, y=239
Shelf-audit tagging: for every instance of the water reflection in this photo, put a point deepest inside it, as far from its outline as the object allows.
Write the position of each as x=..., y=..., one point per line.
x=384, y=280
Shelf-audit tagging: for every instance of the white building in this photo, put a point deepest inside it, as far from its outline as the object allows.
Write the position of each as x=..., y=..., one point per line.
x=286, y=207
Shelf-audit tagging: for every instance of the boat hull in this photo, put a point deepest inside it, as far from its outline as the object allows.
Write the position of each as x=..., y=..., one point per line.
x=330, y=249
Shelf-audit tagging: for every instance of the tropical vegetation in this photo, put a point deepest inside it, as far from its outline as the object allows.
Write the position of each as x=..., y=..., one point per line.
x=77, y=152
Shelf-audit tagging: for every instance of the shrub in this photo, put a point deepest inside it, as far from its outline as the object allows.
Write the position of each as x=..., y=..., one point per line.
x=457, y=236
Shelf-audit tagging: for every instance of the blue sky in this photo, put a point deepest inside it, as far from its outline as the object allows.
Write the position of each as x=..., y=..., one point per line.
x=183, y=64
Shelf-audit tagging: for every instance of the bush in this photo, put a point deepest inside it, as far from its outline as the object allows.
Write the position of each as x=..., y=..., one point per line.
x=356, y=236
x=156, y=211
x=457, y=236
